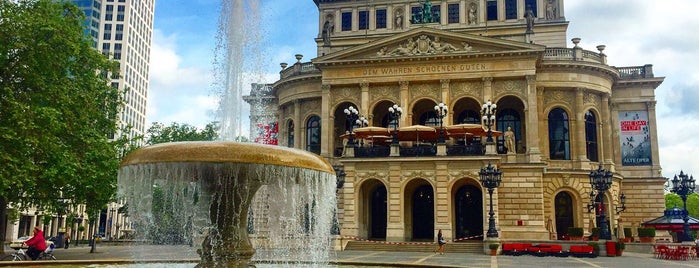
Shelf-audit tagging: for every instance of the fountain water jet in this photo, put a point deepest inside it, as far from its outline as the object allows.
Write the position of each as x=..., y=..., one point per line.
x=212, y=185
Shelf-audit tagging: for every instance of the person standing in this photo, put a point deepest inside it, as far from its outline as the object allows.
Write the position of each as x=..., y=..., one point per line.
x=66, y=240
x=441, y=242
x=36, y=244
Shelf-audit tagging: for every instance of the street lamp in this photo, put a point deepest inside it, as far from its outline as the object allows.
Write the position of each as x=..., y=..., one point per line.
x=394, y=112
x=684, y=186
x=489, y=118
x=77, y=230
x=622, y=199
x=352, y=116
x=441, y=110
x=601, y=180
x=111, y=219
x=491, y=178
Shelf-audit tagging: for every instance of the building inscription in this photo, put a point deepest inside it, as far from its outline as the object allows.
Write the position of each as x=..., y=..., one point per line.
x=426, y=69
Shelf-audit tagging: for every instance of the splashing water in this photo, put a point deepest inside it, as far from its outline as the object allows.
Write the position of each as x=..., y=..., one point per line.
x=200, y=194
x=238, y=51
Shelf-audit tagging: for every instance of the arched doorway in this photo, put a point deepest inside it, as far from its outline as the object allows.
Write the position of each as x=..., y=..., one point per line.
x=423, y=212
x=419, y=210
x=468, y=211
x=373, y=209
x=564, y=214
x=378, y=213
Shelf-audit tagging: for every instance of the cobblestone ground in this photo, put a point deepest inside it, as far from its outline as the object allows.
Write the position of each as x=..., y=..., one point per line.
x=81, y=257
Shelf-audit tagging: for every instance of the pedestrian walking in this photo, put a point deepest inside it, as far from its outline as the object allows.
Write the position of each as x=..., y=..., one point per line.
x=441, y=242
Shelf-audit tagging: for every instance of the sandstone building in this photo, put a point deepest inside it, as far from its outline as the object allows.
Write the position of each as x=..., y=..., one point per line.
x=569, y=110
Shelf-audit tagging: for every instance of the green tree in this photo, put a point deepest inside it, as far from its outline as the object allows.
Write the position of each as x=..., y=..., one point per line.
x=674, y=200
x=159, y=133
x=57, y=109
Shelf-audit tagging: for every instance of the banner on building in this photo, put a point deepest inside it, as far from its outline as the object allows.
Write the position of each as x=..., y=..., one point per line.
x=635, y=138
x=266, y=133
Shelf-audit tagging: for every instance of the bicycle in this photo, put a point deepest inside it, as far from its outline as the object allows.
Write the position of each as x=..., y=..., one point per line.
x=21, y=255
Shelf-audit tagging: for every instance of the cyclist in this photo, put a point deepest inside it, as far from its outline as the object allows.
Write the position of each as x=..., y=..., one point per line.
x=36, y=244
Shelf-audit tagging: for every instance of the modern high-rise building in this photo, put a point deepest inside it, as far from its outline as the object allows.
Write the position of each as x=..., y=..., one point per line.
x=123, y=31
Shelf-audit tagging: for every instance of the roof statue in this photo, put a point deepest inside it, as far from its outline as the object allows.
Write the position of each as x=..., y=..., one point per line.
x=426, y=14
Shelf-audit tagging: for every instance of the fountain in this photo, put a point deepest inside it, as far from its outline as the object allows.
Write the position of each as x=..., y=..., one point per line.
x=211, y=186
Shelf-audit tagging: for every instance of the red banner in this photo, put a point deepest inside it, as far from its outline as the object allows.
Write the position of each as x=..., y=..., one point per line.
x=267, y=133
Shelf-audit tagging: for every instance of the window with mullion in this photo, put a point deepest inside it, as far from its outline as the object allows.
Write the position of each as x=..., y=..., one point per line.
x=591, y=136
x=559, y=135
x=380, y=19
x=363, y=20
x=510, y=9
x=346, y=21
x=453, y=13
x=492, y=10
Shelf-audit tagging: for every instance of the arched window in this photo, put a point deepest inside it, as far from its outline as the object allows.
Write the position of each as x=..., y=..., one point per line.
x=559, y=135
x=469, y=117
x=388, y=123
x=313, y=135
x=429, y=119
x=591, y=136
x=290, y=134
x=508, y=118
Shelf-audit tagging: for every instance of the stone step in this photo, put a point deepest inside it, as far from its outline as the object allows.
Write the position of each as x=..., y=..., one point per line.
x=462, y=247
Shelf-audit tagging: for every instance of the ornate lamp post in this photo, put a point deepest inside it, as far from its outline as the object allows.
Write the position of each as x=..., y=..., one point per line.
x=110, y=223
x=622, y=199
x=441, y=110
x=491, y=178
x=601, y=180
x=352, y=116
x=394, y=113
x=684, y=186
x=489, y=118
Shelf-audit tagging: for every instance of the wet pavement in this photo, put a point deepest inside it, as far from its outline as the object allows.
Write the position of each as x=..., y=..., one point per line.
x=81, y=257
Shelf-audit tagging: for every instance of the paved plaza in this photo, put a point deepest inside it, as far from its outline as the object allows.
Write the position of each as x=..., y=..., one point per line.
x=150, y=253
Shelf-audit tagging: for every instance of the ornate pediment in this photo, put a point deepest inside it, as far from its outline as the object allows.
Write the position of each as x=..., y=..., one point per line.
x=429, y=42
x=423, y=45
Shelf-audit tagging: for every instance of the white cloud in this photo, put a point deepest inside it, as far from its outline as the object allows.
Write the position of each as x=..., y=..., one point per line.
x=179, y=91
x=661, y=33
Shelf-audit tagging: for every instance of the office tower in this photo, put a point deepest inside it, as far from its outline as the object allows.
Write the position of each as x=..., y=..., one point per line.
x=123, y=30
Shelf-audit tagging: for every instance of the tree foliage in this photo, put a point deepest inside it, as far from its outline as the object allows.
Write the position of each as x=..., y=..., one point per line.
x=57, y=109
x=159, y=133
x=674, y=200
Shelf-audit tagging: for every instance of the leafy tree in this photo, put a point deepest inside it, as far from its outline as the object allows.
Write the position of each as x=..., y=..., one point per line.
x=57, y=109
x=159, y=133
x=674, y=200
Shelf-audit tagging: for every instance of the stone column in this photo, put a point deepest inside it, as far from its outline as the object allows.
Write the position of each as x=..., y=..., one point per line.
x=404, y=101
x=299, y=125
x=543, y=127
x=364, y=101
x=395, y=229
x=580, y=148
x=463, y=13
x=650, y=105
x=442, y=200
x=606, y=140
x=442, y=147
x=531, y=112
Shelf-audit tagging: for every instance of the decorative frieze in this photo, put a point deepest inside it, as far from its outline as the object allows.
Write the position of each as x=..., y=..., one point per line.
x=462, y=173
x=423, y=45
x=424, y=90
x=372, y=174
x=409, y=174
x=504, y=87
x=466, y=89
x=379, y=93
x=311, y=106
x=591, y=100
x=558, y=97
x=345, y=94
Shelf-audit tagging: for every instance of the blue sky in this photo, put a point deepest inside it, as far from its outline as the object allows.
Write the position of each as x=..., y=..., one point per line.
x=636, y=32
